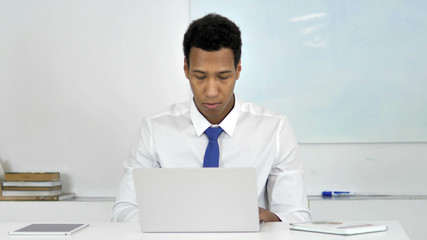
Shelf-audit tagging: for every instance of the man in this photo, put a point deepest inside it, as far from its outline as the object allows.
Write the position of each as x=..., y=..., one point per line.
x=249, y=136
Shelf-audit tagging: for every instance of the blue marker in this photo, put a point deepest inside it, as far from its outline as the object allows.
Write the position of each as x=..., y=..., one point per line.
x=335, y=193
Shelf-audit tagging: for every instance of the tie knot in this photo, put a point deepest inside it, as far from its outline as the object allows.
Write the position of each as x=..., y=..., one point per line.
x=213, y=133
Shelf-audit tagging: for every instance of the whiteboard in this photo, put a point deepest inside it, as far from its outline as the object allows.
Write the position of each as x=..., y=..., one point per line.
x=342, y=71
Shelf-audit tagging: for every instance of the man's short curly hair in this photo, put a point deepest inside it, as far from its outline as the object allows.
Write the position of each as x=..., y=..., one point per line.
x=211, y=33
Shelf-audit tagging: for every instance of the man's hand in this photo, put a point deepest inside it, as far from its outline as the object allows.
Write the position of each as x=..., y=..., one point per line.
x=267, y=216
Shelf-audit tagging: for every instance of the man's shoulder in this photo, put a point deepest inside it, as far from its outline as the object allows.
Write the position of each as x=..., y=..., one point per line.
x=174, y=110
x=257, y=110
x=256, y=116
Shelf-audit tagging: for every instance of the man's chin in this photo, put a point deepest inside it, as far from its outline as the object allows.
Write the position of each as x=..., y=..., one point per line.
x=212, y=116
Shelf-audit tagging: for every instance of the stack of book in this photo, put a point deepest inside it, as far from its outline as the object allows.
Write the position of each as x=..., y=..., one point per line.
x=32, y=186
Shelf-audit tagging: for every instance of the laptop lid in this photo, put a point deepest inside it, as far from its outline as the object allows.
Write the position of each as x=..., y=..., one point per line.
x=197, y=199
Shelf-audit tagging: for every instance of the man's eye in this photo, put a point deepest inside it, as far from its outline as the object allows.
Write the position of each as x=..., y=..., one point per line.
x=223, y=77
x=200, y=77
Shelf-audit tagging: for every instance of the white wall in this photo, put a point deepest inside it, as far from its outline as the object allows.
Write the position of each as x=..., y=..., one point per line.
x=76, y=77
x=91, y=211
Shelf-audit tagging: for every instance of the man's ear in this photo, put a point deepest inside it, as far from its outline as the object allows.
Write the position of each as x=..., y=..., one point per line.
x=238, y=69
x=186, y=68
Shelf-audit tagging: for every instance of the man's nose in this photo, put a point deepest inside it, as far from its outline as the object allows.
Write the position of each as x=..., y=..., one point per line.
x=212, y=88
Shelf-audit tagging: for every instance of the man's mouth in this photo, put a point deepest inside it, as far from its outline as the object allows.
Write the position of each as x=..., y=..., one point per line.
x=211, y=105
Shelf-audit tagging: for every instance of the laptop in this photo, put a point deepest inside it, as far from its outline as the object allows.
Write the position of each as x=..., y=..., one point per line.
x=197, y=199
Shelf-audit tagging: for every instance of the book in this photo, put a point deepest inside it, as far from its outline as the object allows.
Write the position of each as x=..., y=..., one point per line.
x=31, y=183
x=340, y=228
x=38, y=198
x=31, y=176
x=31, y=193
x=31, y=188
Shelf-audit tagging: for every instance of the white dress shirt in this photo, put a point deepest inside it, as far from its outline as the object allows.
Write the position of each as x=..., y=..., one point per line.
x=252, y=137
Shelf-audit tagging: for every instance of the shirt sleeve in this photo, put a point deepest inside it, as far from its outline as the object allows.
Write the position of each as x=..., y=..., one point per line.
x=285, y=185
x=126, y=209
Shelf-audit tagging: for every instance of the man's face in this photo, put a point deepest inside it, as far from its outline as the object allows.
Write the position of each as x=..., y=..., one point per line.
x=212, y=77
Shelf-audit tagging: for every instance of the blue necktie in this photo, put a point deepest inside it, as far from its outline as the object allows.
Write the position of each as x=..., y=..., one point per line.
x=212, y=150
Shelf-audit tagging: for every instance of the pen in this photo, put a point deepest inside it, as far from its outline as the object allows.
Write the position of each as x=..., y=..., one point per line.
x=336, y=193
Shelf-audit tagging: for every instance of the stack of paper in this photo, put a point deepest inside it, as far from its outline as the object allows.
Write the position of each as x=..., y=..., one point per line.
x=341, y=228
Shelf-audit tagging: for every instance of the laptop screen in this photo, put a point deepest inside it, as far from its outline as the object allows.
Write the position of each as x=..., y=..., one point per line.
x=197, y=199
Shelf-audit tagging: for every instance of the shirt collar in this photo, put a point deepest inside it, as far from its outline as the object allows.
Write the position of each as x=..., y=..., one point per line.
x=228, y=124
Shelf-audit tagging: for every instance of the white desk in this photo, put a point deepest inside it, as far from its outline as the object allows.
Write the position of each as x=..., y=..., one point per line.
x=270, y=231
